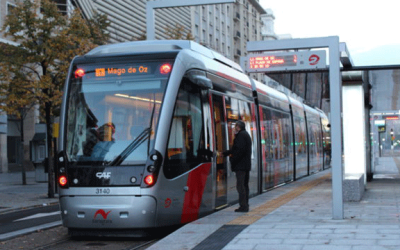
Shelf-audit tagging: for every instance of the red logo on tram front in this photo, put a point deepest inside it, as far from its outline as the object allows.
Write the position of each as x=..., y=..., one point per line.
x=167, y=203
x=313, y=59
x=102, y=213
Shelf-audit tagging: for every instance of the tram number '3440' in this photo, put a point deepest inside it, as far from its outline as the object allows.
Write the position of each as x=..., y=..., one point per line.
x=103, y=191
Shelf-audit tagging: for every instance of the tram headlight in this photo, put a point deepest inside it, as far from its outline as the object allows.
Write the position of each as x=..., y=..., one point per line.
x=149, y=180
x=79, y=73
x=62, y=180
x=151, y=168
x=154, y=157
x=165, y=68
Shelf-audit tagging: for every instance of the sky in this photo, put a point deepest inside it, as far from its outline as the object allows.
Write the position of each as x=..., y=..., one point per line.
x=369, y=28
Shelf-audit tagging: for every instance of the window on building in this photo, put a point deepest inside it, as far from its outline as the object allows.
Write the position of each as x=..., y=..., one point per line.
x=62, y=6
x=14, y=149
x=42, y=152
x=10, y=7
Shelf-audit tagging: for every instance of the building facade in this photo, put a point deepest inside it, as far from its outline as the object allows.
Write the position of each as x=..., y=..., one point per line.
x=227, y=28
x=128, y=18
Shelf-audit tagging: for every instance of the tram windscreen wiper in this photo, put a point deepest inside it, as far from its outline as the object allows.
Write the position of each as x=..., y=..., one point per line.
x=142, y=137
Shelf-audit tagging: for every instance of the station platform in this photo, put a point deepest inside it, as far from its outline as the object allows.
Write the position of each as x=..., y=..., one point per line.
x=299, y=216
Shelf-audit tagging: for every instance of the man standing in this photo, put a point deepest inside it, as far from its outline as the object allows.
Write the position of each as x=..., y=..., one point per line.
x=240, y=158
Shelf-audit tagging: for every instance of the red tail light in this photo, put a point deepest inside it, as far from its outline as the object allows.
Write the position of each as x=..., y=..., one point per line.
x=165, y=68
x=149, y=180
x=62, y=180
x=79, y=73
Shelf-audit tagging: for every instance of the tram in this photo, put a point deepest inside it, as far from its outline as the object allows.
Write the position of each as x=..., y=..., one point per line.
x=141, y=125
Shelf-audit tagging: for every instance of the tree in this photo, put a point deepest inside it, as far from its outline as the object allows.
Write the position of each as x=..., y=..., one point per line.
x=48, y=42
x=189, y=36
x=178, y=33
x=16, y=95
x=141, y=37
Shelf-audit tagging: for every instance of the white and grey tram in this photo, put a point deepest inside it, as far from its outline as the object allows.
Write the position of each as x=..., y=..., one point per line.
x=141, y=125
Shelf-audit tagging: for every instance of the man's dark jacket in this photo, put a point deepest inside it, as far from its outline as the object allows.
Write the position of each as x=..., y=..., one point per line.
x=240, y=154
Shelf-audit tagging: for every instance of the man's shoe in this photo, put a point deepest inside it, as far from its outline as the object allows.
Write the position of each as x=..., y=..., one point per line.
x=242, y=210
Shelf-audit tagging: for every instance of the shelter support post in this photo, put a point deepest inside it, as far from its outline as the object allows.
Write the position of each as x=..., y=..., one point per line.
x=335, y=87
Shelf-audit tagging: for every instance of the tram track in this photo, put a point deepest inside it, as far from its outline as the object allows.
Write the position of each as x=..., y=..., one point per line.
x=57, y=238
x=48, y=246
x=94, y=244
x=141, y=246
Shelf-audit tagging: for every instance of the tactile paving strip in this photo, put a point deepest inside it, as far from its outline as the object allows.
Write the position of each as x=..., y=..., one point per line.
x=257, y=213
x=220, y=238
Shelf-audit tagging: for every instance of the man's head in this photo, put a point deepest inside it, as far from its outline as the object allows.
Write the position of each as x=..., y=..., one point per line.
x=239, y=126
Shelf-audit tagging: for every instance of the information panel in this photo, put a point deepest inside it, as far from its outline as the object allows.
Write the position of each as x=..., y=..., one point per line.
x=282, y=61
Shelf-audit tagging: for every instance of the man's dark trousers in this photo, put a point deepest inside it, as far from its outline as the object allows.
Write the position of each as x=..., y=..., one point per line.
x=242, y=186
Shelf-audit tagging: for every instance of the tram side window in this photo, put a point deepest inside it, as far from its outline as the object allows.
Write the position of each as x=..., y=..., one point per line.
x=238, y=110
x=315, y=141
x=232, y=110
x=186, y=140
x=246, y=114
x=300, y=130
x=266, y=133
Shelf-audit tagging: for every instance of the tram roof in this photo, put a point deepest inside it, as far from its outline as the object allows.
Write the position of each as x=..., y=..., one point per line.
x=270, y=92
x=311, y=110
x=154, y=46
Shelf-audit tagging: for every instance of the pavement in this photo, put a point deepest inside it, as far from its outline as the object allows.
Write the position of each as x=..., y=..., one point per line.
x=294, y=216
x=15, y=196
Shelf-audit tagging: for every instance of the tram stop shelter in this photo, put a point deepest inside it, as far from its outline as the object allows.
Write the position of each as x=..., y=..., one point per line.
x=309, y=55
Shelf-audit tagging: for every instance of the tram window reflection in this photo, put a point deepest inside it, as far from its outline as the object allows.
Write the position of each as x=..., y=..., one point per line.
x=186, y=140
x=104, y=119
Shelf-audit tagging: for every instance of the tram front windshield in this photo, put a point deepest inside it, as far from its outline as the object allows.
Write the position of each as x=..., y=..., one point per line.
x=112, y=112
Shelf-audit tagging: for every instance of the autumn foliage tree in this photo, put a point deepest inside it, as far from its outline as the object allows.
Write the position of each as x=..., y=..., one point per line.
x=177, y=32
x=38, y=67
x=17, y=92
x=140, y=37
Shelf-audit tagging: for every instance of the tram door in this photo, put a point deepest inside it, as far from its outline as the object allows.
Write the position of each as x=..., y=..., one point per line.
x=221, y=146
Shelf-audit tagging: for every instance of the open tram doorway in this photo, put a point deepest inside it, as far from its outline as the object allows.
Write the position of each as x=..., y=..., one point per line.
x=221, y=198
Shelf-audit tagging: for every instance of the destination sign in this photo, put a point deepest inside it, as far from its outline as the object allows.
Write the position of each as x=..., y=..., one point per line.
x=114, y=71
x=262, y=62
x=283, y=61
